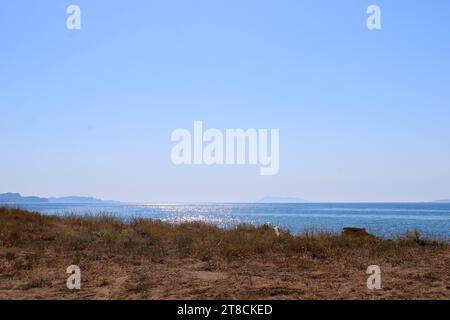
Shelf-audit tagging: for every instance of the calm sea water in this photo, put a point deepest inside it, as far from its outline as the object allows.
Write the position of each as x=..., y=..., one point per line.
x=383, y=219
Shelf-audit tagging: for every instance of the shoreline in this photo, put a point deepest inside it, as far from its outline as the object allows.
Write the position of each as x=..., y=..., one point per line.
x=384, y=220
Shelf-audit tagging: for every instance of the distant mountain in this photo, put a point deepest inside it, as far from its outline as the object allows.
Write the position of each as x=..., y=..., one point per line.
x=17, y=198
x=444, y=201
x=77, y=199
x=281, y=200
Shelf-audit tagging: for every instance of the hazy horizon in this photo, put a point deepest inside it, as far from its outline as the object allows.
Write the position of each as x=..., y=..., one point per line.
x=263, y=200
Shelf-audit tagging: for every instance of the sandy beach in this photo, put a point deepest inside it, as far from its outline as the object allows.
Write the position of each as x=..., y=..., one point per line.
x=149, y=259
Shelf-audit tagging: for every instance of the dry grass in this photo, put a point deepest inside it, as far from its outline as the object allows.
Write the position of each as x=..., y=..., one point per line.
x=154, y=260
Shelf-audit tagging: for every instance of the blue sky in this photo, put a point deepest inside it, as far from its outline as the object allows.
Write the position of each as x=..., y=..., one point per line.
x=363, y=115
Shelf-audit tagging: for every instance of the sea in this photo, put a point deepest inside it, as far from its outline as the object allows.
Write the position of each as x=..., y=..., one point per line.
x=386, y=220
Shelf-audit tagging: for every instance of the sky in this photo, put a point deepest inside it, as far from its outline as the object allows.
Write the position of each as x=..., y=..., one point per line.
x=363, y=114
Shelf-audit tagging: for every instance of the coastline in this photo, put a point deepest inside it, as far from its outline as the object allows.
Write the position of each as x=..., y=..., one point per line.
x=149, y=259
x=386, y=220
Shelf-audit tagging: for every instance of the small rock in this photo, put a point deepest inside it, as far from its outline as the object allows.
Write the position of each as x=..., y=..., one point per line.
x=359, y=233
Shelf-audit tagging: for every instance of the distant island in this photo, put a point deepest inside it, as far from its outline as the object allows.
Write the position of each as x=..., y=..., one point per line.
x=270, y=199
x=18, y=198
x=444, y=201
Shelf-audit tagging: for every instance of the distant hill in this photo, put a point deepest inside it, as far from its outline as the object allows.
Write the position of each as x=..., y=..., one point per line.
x=77, y=199
x=17, y=198
x=444, y=201
x=281, y=200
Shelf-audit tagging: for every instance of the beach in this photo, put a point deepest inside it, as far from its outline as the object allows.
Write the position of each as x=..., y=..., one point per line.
x=386, y=220
x=150, y=259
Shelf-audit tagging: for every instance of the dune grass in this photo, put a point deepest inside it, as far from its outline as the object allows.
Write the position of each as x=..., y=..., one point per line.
x=203, y=241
